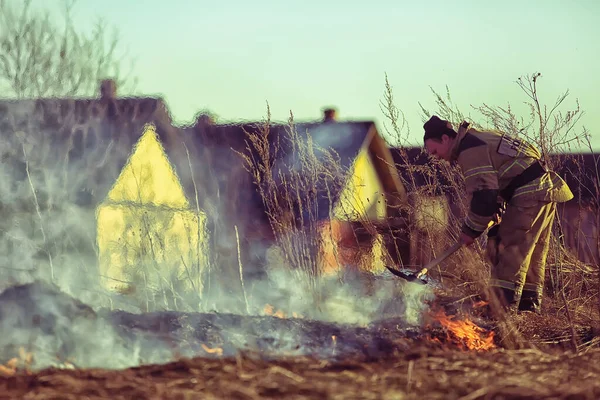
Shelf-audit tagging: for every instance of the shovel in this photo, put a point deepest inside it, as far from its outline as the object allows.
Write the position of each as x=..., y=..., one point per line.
x=418, y=276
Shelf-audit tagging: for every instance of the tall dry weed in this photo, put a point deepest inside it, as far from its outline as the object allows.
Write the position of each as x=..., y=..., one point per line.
x=295, y=178
x=572, y=284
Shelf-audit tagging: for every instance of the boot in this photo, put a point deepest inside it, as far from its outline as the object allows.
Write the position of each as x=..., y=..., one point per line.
x=530, y=301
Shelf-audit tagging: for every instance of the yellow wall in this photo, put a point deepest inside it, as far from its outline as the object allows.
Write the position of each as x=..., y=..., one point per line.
x=147, y=232
x=360, y=200
x=362, y=197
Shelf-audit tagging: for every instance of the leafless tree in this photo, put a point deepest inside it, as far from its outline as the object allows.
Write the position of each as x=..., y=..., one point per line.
x=43, y=57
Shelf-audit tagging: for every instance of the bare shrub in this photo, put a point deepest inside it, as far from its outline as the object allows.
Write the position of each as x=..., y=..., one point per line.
x=295, y=179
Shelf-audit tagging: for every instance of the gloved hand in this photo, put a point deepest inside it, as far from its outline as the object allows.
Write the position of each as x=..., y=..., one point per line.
x=501, y=208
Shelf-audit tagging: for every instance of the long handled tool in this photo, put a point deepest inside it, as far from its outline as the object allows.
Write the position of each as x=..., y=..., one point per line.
x=418, y=276
x=453, y=249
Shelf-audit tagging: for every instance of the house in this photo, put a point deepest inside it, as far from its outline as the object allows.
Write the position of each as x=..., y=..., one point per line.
x=88, y=192
x=146, y=222
x=320, y=191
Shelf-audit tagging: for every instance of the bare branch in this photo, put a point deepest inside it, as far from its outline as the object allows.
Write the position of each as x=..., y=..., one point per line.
x=42, y=58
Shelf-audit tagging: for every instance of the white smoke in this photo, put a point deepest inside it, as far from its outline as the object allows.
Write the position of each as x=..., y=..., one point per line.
x=45, y=236
x=57, y=329
x=358, y=299
x=43, y=232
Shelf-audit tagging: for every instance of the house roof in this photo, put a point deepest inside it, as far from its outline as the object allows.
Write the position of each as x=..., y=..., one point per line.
x=74, y=148
x=78, y=147
x=341, y=140
x=218, y=163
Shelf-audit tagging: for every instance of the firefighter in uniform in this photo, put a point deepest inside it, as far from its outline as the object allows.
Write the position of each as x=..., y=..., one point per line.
x=504, y=173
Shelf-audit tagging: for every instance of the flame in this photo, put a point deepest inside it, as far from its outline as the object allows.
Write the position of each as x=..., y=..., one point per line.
x=12, y=366
x=465, y=332
x=216, y=350
x=270, y=310
x=334, y=340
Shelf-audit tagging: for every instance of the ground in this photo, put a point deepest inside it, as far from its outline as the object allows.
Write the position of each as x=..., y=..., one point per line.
x=385, y=360
x=419, y=374
x=427, y=366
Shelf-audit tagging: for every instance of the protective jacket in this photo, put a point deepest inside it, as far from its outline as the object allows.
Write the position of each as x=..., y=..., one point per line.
x=496, y=165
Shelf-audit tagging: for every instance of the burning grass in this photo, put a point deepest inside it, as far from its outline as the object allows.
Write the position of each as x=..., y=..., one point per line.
x=455, y=353
x=467, y=334
x=47, y=325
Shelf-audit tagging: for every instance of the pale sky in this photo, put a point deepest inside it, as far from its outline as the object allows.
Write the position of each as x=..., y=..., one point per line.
x=232, y=56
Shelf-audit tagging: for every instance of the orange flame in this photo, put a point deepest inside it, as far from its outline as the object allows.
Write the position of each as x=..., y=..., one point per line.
x=14, y=364
x=270, y=310
x=216, y=350
x=465, y=332
x=10, y=368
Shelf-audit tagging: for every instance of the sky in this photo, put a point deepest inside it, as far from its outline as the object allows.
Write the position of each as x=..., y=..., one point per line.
x=233, y=56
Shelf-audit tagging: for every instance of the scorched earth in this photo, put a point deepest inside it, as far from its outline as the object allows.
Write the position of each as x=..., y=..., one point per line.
x=59, y=348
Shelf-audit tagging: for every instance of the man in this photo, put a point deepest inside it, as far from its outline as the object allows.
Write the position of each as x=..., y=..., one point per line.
x=498, y=168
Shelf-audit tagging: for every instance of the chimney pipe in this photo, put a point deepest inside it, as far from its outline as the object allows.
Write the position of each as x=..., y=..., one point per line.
x=330, y=115
x=108, y=89
x=205, y=118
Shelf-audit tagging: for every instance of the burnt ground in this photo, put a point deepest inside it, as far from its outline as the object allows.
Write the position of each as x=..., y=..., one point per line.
x=78, y=353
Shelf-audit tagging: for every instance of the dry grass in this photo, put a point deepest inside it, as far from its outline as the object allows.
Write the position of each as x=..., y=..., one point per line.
x=420, y=373
x=292, y=178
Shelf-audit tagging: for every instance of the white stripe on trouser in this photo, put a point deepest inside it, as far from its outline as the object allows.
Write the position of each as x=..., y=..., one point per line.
x=531, y=287
x=503, y=284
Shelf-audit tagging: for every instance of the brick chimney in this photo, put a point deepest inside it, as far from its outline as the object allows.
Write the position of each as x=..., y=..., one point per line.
x=329, y=114
x=108, y=89
x=205, y=119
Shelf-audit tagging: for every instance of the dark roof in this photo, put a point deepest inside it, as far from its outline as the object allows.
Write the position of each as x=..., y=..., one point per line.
x=83, y=167
x=341, y=140
x=218, y=164
x=345, y=139
x=79, y=167
x=213, y=174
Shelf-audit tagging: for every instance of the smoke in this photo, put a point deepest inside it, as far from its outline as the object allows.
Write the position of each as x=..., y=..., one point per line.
x=47, y=240
x=58, y=329
x=53, y=327
x=47, y=234
x=349, y=298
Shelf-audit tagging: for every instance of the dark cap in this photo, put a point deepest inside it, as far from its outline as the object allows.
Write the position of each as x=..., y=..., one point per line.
x=435, y=128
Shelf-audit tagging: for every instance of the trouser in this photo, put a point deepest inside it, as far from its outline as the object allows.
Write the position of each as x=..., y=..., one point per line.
x=523, y=242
